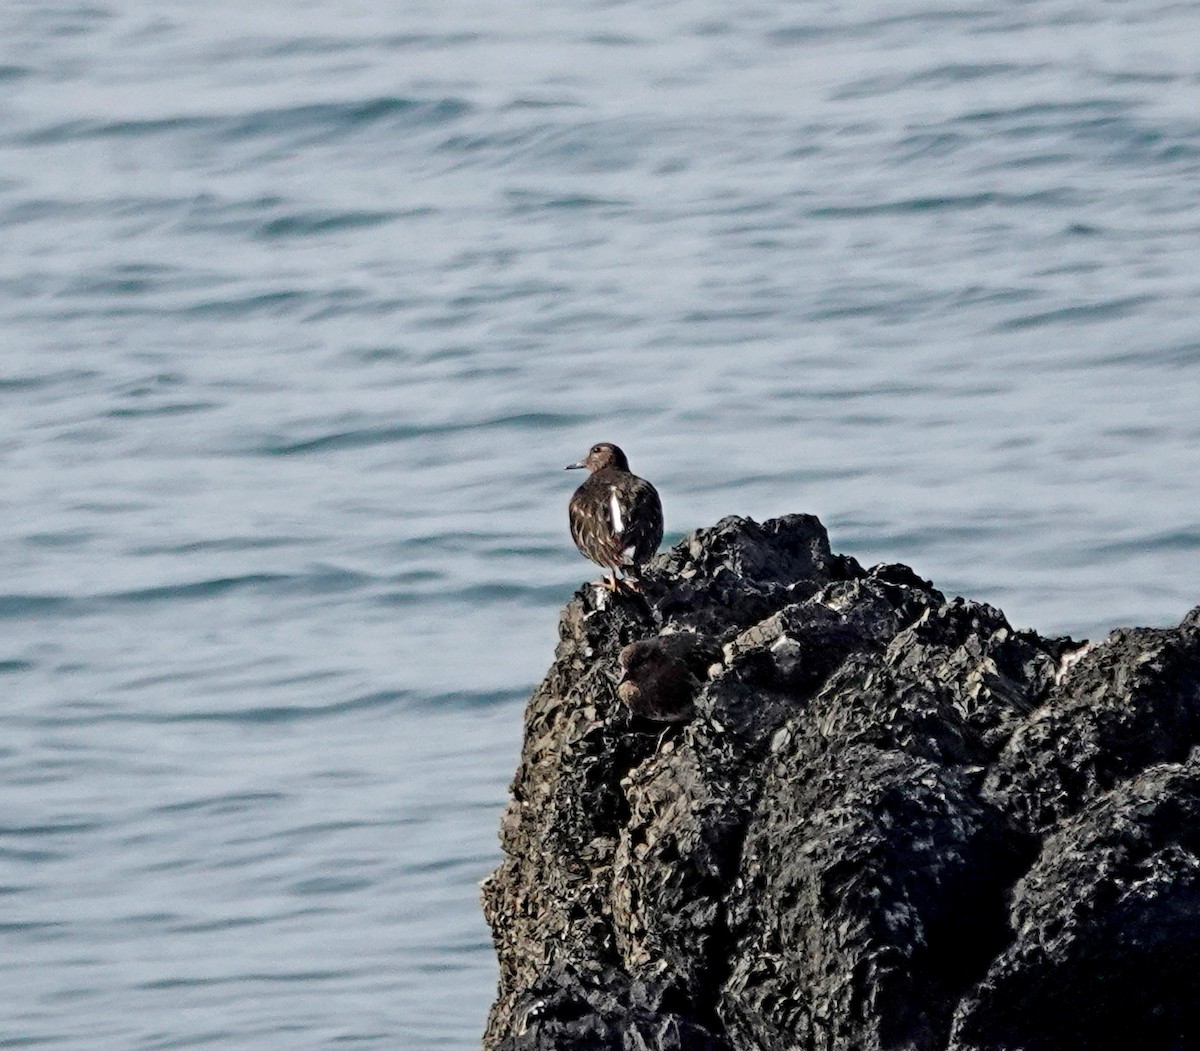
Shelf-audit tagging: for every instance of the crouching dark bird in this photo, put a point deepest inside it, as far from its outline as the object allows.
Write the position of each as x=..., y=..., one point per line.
x=661, y=677
x=616, y=517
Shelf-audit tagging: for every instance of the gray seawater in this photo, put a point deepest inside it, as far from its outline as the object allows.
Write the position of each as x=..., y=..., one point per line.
x=303, y=307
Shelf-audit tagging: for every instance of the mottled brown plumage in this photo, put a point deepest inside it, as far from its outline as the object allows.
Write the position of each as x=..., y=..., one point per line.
x=660, y=677
x=616, y=517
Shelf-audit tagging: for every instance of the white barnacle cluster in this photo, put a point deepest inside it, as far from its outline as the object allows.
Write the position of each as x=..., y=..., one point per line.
x=1069, y=660
x=788, y=653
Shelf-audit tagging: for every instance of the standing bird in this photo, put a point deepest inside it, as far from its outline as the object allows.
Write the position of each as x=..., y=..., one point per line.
x=616, y=517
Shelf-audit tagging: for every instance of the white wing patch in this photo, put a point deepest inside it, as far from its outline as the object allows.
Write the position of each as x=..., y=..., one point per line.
x=617, y=521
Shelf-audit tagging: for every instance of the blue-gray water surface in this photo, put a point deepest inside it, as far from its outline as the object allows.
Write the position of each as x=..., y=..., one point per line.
x=304, y=305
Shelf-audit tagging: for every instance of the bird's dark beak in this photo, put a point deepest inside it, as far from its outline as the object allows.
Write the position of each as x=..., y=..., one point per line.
x=575, y=466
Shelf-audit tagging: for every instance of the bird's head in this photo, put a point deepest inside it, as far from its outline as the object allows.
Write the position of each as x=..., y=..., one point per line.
x=635, y=657
x=600, y=456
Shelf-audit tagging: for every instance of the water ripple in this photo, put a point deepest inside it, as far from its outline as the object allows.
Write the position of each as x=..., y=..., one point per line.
x=1090, y=313
x=385, y=435
x=329, y=120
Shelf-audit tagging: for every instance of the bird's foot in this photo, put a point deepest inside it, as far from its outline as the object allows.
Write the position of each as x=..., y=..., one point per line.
x=613, y=586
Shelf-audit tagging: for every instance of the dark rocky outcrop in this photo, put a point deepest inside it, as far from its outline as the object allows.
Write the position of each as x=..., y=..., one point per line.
x=895, y=822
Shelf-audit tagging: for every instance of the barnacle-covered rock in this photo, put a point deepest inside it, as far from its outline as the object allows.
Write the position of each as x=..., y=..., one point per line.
x=884, y=820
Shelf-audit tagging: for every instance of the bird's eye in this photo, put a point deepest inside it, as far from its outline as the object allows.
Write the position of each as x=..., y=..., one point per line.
x=595, y=448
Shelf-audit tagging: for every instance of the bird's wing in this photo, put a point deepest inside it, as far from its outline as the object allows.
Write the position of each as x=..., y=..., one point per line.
x=643, y=521
x=699, y=652
x=591, y=527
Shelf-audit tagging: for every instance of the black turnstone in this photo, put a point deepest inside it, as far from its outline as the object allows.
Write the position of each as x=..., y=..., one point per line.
x=616, y=517
x=661, y=677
